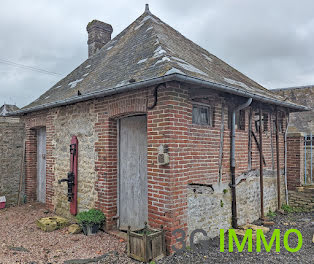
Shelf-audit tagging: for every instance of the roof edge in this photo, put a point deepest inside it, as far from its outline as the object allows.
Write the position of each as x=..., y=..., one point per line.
x=155, y=81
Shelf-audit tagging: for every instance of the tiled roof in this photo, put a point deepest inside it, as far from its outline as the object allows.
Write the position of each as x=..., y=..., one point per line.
x=147, y=49
x=5, y=109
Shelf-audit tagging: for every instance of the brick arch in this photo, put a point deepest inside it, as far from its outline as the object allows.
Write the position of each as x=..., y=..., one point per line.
x=127, y=106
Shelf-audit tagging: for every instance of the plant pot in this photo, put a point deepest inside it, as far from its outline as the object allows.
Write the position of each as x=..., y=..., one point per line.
x=91, y=229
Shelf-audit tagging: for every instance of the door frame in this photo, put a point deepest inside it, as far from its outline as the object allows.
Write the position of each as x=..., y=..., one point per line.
x=37, y=162
x=118, y=161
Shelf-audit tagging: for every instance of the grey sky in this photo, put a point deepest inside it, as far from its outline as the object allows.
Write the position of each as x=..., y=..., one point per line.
x=271, y=42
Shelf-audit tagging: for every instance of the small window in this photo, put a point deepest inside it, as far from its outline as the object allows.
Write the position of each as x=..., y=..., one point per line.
x=239, y=119
x=201, y=115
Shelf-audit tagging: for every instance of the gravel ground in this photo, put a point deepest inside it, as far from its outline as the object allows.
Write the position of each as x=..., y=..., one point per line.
x=304, y=222
x=22, y=242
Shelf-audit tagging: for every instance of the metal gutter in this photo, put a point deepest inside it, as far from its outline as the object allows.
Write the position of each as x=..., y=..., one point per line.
x=155, y=81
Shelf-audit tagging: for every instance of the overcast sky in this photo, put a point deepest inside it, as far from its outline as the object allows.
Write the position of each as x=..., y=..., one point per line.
x=270, y=41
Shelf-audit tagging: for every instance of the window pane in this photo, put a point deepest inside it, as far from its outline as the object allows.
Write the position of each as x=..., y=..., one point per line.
x=201, y=115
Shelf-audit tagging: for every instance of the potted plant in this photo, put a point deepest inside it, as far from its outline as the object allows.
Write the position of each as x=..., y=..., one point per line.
x=91, y=221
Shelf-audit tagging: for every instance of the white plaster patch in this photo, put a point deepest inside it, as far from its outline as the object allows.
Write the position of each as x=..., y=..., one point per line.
x=122, y=83
x=191, y=68
x=158, y=52
x=234, y=82
x=145, y=19
x=149, y=28
x=180, y=60
x=84, y=75
x=74, y=83
x=87, y=66
x=174, y=70
x=208, y=58
x=141, y=61
x=109, y=48
x=162, y=60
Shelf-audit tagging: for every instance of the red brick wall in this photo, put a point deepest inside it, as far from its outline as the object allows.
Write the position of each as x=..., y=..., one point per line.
x=295, y=160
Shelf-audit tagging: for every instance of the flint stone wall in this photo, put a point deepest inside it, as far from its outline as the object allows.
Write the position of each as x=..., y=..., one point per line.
x=11, y=150
x=210, y=209
x=76, y=120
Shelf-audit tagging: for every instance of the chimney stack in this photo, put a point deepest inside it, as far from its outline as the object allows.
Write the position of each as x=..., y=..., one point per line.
x=99, y=33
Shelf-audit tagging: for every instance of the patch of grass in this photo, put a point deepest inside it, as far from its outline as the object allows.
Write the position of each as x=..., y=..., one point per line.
x=152, y=262
x=225, y=191
x=271, y=214
x=291, y=209
x=221, y=203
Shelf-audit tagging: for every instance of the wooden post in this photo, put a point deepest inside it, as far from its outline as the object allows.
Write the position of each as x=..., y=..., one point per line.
x=163, y=241
x=145, y=244
x=261, y=162
x=129, y=242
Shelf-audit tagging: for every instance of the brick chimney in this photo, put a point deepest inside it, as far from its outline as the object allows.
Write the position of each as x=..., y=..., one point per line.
x=99, y=33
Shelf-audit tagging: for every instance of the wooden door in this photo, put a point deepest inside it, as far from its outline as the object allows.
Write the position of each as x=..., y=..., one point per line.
x=133, y=203
x=41, y=165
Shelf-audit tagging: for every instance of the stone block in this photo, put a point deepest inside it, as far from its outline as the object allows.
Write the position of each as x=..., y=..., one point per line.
x=49, y=224
x=74, y=229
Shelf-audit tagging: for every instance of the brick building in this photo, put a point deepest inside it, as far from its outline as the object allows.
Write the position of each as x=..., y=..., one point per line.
x=300, y=141
x=152, y=112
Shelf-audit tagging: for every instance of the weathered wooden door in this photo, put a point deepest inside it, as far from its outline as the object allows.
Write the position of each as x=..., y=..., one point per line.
x=133, y=203
x=41, y=165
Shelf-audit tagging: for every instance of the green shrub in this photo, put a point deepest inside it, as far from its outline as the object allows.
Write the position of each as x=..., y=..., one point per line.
x=92, y=216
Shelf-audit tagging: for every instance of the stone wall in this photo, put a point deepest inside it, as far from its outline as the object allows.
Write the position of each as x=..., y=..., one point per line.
x=11, y=150
x=303, y=197
x=209, y=207
x=76, y=120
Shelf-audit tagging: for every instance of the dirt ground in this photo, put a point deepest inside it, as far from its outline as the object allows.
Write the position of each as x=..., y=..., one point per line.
x=22, y=242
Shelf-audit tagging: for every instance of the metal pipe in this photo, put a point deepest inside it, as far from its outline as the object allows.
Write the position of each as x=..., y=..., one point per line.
x=311, y=157
x=286, y=179
x=250, y=142
x=154, y=81
x=232, y=163
x=305, y=139
x=261, y=180
x=278, y=162
x=221, y=146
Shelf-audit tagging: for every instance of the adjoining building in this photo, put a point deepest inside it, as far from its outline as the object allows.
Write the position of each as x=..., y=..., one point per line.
x=11, y=155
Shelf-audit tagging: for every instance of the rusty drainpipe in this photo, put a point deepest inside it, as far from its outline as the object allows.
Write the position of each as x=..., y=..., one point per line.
x=278, y=162
x=232, y=163
x=261, y=162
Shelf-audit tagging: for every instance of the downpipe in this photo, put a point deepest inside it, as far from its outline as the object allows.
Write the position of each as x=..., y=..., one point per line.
x=233, y=162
